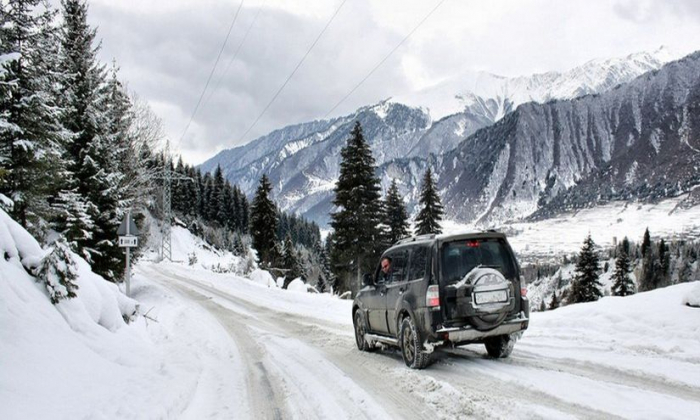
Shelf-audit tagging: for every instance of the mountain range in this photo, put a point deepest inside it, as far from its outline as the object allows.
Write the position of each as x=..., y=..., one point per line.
x=502, y=148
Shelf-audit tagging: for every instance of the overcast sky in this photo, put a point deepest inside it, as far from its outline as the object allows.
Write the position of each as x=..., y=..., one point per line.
x=166, y=50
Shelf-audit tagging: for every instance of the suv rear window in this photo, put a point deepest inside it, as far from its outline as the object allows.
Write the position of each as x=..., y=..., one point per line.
x=461, y=257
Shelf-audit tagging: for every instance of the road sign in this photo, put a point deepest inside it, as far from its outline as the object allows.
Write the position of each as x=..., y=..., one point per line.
x=128, y=241
x=127, y=228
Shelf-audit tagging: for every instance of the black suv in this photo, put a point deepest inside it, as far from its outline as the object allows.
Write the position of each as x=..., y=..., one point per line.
x=445, y=290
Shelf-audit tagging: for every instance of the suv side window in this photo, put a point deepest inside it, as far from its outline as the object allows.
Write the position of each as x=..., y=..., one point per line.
x=399, y=265
x=419, y=261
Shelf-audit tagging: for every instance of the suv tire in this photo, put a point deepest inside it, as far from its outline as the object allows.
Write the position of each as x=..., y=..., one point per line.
x=412, y=345
x=500, y=346
x=360, y=331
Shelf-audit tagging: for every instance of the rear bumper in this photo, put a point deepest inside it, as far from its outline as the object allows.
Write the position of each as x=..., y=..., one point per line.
x=470, y=334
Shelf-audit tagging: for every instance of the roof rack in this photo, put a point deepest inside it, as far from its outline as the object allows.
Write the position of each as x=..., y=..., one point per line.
x=415, y=238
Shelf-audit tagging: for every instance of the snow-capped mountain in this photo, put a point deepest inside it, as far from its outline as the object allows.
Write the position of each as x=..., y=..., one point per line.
x=463, y=105
x=303, y=160
x=640, y=140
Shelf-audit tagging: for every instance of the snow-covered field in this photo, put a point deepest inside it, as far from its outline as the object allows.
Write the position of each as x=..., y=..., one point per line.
x=222, y=346
x=564, y=234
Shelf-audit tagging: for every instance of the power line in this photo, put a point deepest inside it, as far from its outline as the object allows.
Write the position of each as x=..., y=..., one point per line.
x=218, y=57
x=238, y=49
x=384, y=59
x=293, y=71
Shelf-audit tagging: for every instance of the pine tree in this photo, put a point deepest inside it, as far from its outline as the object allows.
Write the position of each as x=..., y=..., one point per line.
x=430, y=215
x=290, y=262
x=96, y=180
x=245, y=214
x=357, y=238
x=58, y=271
x=396, y=215
x=216, y=207
x=664, y=264
x=225, y=214
x=31, y=135
x=324, y=273
x=263, y=224
x=554, y=303
x=331, y=279
x=238, y=247
x=585, y=286
x=622, y=283
x=646, y=242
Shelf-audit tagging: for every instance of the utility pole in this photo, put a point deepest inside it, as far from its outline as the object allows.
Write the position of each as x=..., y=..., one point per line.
x=167, y=176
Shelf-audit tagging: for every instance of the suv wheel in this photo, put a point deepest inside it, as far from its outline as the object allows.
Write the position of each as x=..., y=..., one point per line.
x=412, y=346
x=362, y=343
x=500, y=346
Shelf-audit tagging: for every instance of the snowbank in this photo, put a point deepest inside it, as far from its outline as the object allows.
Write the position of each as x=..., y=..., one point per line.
x=692, y=298
x=297, y=285
x=98, y=302
x=651, y=332
x=79, y=358
x=263, y=277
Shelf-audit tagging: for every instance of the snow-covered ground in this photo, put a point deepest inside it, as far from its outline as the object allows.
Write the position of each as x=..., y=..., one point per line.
x=634, y=357
x=564, y=234
x=222, y=346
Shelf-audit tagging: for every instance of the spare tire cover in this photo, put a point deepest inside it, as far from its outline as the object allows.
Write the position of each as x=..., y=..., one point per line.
x=489, y=279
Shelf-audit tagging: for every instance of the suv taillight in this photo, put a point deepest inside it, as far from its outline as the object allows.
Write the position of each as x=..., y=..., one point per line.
x=523, y=287
x=432, y=296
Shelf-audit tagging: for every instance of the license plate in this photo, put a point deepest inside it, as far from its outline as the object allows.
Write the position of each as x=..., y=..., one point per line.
x=491, y=297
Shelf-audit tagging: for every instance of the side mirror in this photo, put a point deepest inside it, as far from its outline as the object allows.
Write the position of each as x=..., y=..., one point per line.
x=367, y=279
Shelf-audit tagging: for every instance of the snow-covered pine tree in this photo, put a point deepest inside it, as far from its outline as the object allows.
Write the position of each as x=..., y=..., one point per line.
x=324, y=266
x=358, y=237
x=290, y=262
x=586, y=287
x=238, y=247
x=94, y=179
x=622, y=283
x=58, y=271
x=263, y=224
x=430, y=215
x=332, y=279
x=396, y=217
x=31, y=135
x=73, y=219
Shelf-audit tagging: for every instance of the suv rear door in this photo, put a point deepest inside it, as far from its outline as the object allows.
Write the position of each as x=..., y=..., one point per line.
x=459, y=257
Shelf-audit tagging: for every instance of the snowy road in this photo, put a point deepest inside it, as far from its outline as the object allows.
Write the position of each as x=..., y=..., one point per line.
x=300, y=361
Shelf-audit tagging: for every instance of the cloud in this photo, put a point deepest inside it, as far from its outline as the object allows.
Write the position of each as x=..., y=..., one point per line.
x=168, y=56
x=166, y=49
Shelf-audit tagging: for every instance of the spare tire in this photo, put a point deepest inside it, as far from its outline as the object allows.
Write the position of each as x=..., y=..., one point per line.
x=492, y=284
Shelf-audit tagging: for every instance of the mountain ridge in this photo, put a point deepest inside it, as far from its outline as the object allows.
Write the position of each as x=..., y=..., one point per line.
x=302, y=159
